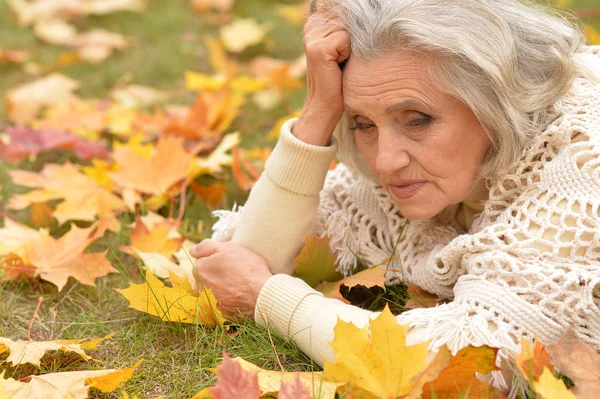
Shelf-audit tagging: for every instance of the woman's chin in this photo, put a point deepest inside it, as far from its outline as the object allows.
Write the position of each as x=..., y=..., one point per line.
x=419, y=210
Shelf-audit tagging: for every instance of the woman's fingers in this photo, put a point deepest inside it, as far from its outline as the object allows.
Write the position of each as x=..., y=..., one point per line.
x=205, y=248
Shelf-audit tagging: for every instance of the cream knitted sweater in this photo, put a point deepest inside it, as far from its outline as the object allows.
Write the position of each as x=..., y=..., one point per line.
x=529, y=265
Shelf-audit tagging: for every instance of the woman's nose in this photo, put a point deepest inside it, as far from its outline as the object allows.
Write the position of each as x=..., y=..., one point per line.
x=392, y=155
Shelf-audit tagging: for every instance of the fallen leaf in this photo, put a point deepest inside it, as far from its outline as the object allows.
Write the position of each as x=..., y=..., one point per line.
x=14, y=56
x=56, y=260
x=419, y=298
x=243, y=33
x=56, y=32
x=593, y=35
x=24, y=142
x=41, y=215
x=103, y=7
x=168, y=165
x=532, y=361
x=294, y=14
x=14, y=268
x=22, y=352
x=98, y=44
x=274, y=133
x=294, y=390
x=580, y=362
x=243, y=180
x=84, y=118
x=29, y=12
x=316, y=262
x=217, y=159
x=371, y=277
x=177, y=303
x=133, y=96
x=83, y=198
x=550, y=387
x=71, y=384
x=203, y=6
x=234, y=382
x=375, y=360
x=24, y=102
x=211, y=195
x=459, y=376
x=161, y=238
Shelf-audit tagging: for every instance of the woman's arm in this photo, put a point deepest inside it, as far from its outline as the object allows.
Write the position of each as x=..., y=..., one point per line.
x=281, y=209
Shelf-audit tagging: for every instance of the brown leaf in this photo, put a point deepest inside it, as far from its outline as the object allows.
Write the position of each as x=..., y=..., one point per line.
x=371, y=277
x=531, y=361
x=294, y=390
x=580, y=362
x=233, y=382
x=419, y=298
x=13, y=56
x=316, y=262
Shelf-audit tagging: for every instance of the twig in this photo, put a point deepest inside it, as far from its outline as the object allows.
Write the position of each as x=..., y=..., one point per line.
x=182, y=198
x=37, y=309
x=171, y=206
x=274, y=349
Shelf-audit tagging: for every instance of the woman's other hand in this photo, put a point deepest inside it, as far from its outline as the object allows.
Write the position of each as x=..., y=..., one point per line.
x=233, y=273
x=327, y=44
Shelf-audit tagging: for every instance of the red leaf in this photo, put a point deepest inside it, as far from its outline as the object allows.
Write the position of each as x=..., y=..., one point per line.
x=294, y=390
x=233, y=382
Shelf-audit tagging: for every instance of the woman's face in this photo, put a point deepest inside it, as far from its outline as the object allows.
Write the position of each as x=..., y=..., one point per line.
x=409, y=131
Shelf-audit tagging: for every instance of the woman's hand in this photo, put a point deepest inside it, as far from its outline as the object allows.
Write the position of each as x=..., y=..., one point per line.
x=233, y=273
x=327, y=44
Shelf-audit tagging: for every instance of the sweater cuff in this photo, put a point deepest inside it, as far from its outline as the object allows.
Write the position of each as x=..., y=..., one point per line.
x=278, y=301
x=297, y=166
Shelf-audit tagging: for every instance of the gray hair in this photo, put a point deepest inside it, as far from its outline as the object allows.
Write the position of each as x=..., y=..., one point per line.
x=508, y=61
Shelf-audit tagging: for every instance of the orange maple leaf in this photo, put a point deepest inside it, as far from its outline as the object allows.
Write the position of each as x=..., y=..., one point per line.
x=155, y=175
x=56, y=260
x=235, y=382
x=154, y=239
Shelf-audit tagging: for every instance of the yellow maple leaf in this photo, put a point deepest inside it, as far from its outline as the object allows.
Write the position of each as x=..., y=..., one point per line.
x=550, y=387
x=274, y=133
x=159, y=238
x=99, y=171
x=22, y=352
x=70, y=384
x=177, y=303
x=375, y=360
x=83, y=198
x=316, y=262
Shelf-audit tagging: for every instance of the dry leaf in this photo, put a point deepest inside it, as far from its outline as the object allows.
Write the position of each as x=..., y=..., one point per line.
x=103, y=7
x=14, y=56
x=233, y=382
x=22, y=352
x=203, y=6
x=177, y=303
x=22, y=143
x=550, y=387
x=161, y=238
x=41, y=215
x=316, y=262
x=211, y=195
x=419, y=298
x=243, y=33
x=217, y=159
x=71, y=384
x=24, y=102
x=167, y=166
x=56, y=32
x=294, y=390
x=374, y=276
x=29, y=12
x=532, y=361
x=375, y=360
x=459, y=375
x=580, y=362
x=83, y=198
x=58, y=259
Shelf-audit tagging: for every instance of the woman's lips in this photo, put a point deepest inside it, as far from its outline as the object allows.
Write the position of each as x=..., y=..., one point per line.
x=404, y=192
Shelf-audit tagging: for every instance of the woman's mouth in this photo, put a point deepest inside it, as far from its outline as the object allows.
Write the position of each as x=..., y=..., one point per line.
x=407, y=191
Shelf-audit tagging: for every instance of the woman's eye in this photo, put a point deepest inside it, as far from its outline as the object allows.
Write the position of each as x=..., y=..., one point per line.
x=421, y=121
x=361, y=126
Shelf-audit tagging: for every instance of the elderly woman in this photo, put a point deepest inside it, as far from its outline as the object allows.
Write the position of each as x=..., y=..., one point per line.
x=469, y=128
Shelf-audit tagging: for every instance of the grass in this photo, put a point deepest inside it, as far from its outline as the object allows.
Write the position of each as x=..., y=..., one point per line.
x=167, y=39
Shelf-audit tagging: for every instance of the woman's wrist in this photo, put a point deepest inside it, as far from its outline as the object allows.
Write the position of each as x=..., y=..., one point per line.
x=316, y=124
